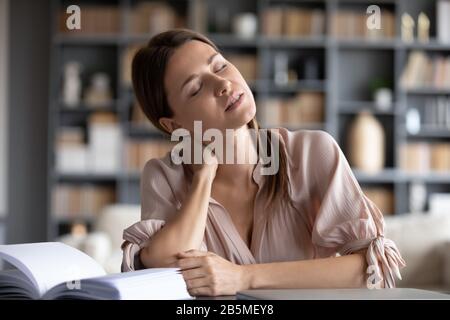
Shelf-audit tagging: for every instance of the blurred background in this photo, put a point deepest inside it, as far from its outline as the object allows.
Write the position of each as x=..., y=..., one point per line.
x=374, y=74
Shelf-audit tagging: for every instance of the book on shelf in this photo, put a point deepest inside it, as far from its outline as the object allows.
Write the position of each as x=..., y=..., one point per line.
x=443, y=21
x=304, y=108
x=425, y=157
x=382, y=197
x=53, y=270
x=71, y=152
x=80, y=201
x=95, y=19
x=152, y=18
x=351, y=24
x=139, y=119
x=292, y=21
x=439, y=202
x=436, y=113
x=272, y=21
x=105, y=139
x=137, y=153
x=245, y=63
x=425, y=71
x=101, y=155
x=127, y=59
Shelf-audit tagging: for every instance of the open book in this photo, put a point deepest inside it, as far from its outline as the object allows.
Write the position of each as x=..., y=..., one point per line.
x=53, y=270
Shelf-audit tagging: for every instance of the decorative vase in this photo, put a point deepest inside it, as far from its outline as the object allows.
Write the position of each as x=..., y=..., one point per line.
x=366, y=143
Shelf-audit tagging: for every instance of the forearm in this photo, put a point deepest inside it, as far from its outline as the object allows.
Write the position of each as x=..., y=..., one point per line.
x=337, y=272
x=185, y=231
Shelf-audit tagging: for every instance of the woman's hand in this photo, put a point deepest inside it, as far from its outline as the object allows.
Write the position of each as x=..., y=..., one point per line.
x=209, y=164
x=207, y=274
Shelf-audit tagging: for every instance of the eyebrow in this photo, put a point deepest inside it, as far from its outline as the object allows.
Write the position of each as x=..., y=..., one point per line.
x=192, y=76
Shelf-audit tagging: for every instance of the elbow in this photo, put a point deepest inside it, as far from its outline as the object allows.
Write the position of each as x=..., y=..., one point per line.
x=156, y=260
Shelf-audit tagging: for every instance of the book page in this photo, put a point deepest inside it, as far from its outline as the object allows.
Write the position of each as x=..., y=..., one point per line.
x=48, y=264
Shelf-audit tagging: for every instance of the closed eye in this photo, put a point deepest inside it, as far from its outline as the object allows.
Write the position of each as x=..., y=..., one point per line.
x=220, y=69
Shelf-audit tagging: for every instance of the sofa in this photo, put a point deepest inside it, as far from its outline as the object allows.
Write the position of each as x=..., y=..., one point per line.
x=423, y=240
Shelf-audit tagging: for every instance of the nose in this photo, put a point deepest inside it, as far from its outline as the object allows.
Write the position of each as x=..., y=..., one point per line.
x=223, y=86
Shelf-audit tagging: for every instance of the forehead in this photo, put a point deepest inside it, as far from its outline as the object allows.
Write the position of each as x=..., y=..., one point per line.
x=185, y=60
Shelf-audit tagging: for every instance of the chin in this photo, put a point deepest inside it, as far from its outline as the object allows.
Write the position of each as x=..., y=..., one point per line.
x=245, y=117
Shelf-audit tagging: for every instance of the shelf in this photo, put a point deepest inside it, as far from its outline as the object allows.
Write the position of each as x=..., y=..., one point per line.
x=431, y=177
x=432, y=45
x=86, y=110
x=363, y=43
x=230, y=40
x=354, y=107
x=301, y=85
x=392, y=175
x=143, y=131
x=131, y=39
x=347, y=64
x=381, y=44
x=293, y=42
x=431, y=133
x=131, y=175
x=388, y=175
x=427, y=91
x=87, y=39
x=378, y=2
x=227, y=39
x=85, y=177
x=72, y=220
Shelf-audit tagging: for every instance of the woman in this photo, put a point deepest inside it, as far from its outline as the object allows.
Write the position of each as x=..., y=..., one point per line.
x=227, y=226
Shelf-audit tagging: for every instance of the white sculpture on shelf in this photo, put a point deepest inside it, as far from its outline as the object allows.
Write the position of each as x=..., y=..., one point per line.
x=72, y=84
x=99, y=92
x=423, y=27
x=417, y=197
x=245, y=25
x=407, y=28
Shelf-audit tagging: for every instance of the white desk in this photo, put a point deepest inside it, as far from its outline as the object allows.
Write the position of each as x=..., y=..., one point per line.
x=341, y=294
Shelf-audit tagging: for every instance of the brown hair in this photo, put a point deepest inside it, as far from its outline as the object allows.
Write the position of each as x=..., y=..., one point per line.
x=148, y=68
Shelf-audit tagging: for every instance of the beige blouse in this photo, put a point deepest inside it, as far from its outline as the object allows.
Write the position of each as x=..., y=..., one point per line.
x=331, y=214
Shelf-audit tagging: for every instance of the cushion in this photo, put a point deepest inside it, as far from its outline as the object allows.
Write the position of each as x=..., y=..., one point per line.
x=421, y=239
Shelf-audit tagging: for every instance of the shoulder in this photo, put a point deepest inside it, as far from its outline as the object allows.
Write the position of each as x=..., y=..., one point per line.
x=308, y=145
x=297, y=137
x=160, y=172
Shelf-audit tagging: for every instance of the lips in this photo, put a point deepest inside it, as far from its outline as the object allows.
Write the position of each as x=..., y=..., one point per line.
x=233, y=99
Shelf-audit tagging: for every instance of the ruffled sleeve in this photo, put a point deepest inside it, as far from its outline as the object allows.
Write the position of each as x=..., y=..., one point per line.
x=158, y=204
x=344, y=219
x=137, y=237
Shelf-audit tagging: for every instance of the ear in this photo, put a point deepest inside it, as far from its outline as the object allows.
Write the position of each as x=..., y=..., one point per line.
x=169, y=124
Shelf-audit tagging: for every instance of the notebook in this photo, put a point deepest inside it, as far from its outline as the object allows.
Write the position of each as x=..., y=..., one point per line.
x=53, y=270
x=341, y=294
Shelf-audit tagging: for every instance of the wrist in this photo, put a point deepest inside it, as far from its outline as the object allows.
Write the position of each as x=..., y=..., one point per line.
x=203, y=176
x=247, y=276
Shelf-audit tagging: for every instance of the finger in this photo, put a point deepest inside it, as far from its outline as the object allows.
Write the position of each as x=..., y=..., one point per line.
x=203, y=291
x=192, y=253
x=198, y=283
x=194, y=273
x=190, y=263
x=173, y=262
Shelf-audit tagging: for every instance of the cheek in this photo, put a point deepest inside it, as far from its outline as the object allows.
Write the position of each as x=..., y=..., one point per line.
x=201, y=110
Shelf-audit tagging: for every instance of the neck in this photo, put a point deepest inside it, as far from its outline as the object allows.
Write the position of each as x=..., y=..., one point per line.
x=245, y=156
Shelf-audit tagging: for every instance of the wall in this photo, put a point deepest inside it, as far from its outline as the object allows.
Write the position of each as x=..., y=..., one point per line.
x=3, y=110
x=29, y=48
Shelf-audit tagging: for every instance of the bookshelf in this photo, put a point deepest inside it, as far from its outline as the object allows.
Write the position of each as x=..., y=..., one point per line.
x=333, y=54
